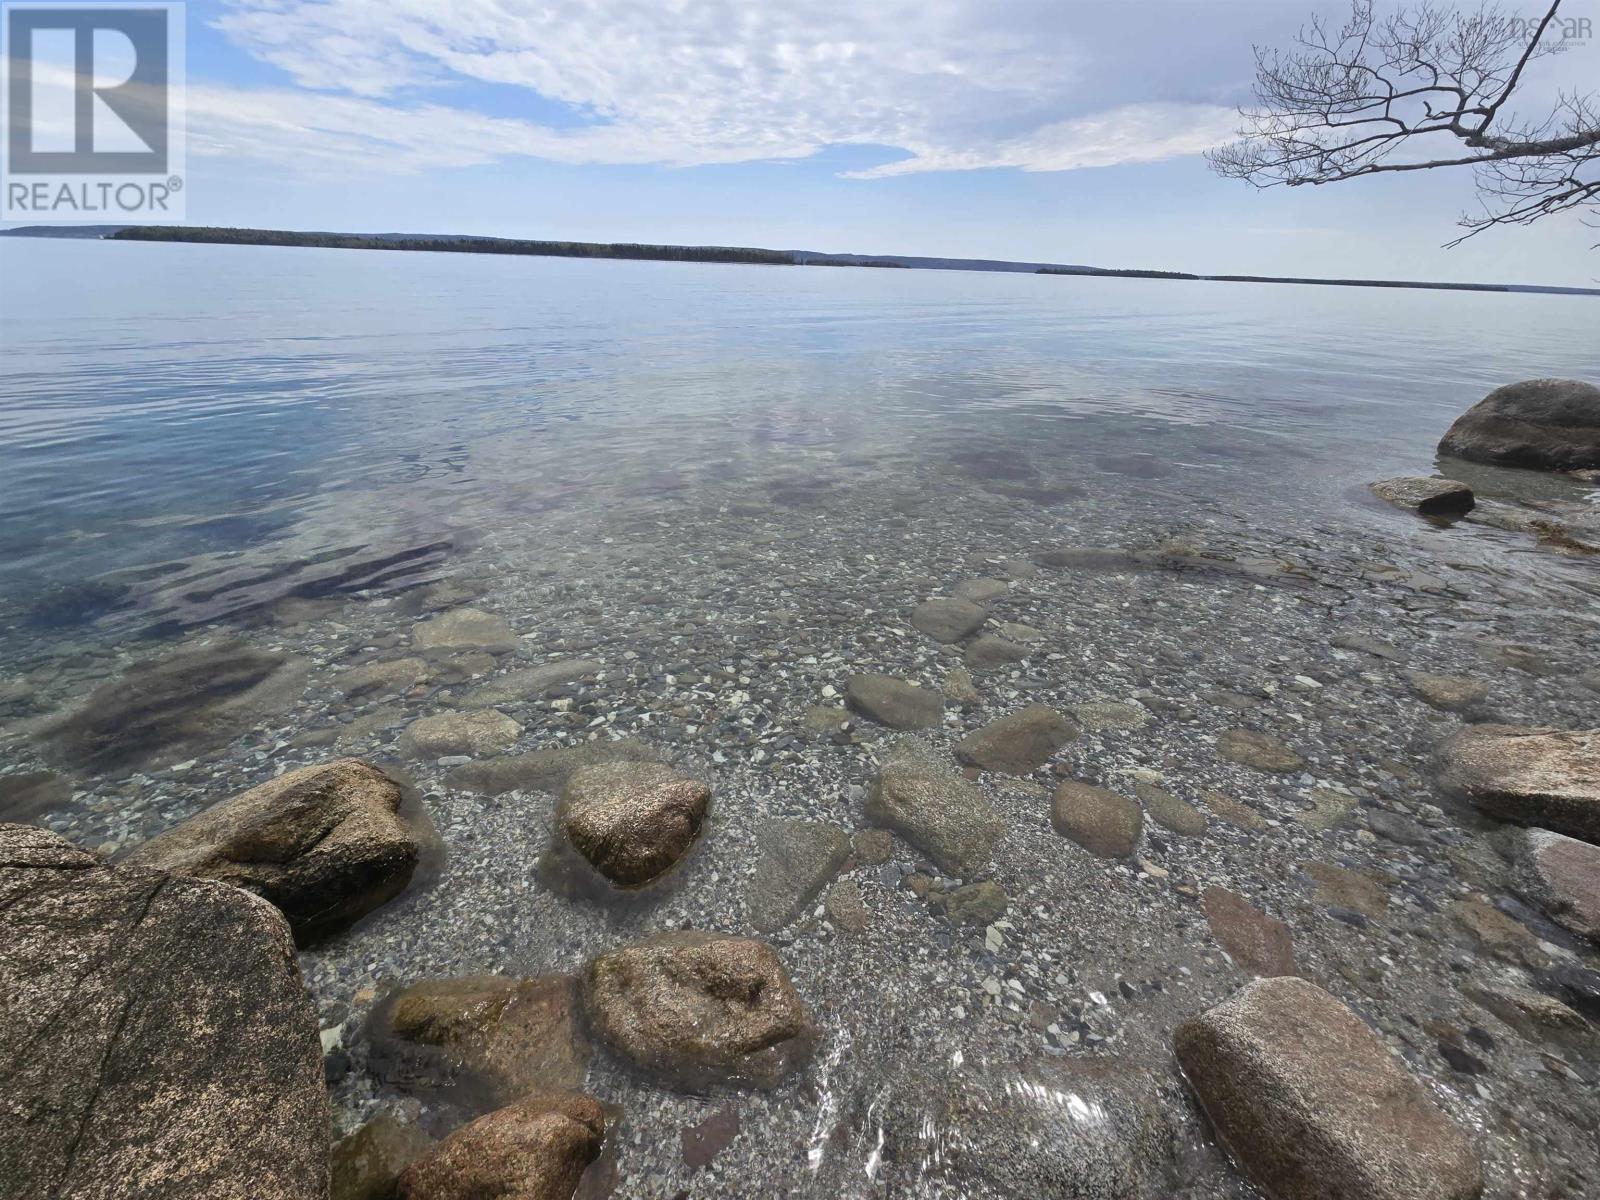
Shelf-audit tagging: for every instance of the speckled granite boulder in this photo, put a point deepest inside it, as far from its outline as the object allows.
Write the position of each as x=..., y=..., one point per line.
x=698, y=1009
x=1103, y=823
x=917, y=795
x=1562, y=876
x=536, y=1149
x=1018, y=742
x=631, y=821
x=326, y=844
x=157, y=1042
x=1544, y=777
x=1431, y=497
x=1312, y=1104
x=1549, y=424
x=894, y=702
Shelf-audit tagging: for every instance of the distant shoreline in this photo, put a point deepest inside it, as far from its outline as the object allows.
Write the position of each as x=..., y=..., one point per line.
x=474, y=244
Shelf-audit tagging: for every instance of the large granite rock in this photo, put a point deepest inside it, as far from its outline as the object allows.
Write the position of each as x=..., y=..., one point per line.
x=535, y=1149
x=893, y=702
x=1562, y=876
x=165, y=709
x=1312, y=1104
x=1549, y=424
x=630, y=821
x=698, y=1009
x=797, y=860
x=1018, y=743
x=1430, y=497
x=1544, y=777
x=157, y=1041
x=325, y=844
x=490, y=1035
x=917, y=795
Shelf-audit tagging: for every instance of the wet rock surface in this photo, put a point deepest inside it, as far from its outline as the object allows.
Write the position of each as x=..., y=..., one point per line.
x=367, y=1164
x=1257, y=943
x=474, y=734
x=699, y=1009
x=1252, y=748
x=465, y=628
x=157, y=1042
x=1531, y=776
x=535, y=1149
x=924, y=800
x=1019, y=742
x=1099, y=820
x=1431, y=497
x=1549, y=424
x=325, y=845
x=797, y=860
x=948, y=620
x=1313, y=1105
x=1561, y=875
x=630, y=821
x=893, y=702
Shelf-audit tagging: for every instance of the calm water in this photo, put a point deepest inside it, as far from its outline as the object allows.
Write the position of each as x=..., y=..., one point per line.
x=163, y=402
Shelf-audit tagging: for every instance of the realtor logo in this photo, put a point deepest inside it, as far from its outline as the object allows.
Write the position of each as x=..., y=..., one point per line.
x=93, y=112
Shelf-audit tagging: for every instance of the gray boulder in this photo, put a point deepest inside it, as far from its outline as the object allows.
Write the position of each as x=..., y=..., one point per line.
x=1019, y=742
x=698, y=1009
x=797, y=860
x=947, y=620
x=1430, y=497
x=893, y=702
x=1548, y=424
x=158, y=1043
x=1103, y=823
x=1530, y=776
x=917, y=795
x=1314, y=1107
x=325, y=844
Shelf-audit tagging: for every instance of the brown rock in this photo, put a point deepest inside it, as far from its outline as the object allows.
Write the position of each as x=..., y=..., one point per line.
x=504, y=1035
x=478, y=732
x=1431, y=497
x=703, y=1142
x=368, y=1163
x=1543, y=777
x=1452, y=693
x=1226, y=808
x=936, y=810
x=1256, y=942
x=1339, y=888
x=1172, y=814
x=990, y=653
x=1312, y=1104
x=1019, y=742
x=325, y=844
x=698, y=1009
x=157, y=1042
x=845, y=907
x=631, y=821
x=948, y=620
x=1251, y=748
x=1102, y=822
x=465, y=628
x=544, y=770
x=1548, y=424
x=873, y=847
x=536, y=1149
x=387, y=677
x=1562, y=876
x=1497, y=933
x=893, y=702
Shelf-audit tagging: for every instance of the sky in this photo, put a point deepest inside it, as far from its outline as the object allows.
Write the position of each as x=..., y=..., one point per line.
x=1051, y=130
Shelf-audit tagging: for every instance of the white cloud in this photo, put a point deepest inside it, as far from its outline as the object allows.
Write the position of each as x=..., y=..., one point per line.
x=958, y=84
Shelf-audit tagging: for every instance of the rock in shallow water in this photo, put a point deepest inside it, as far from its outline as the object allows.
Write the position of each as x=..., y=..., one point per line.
x=536, y=1149
x=1544, y=777
x=990, y=653
x=1562, y=876
x=368, y=1163
x=28, y=795
x=545, y=770
x=1256, y=942
x=893, y=702
x=1452, y=693
x=465, y=628
x=631, y=821
x=1250, y=748
x=476, y=733
x=1312, y=1104
x=947, y=620
x=920, y=797
x=1431, y=497
x=698, y=1009
x=1549, y=424
x=158, y=1043
x=1018, y=743
x=325, y=844
x=1102, y=822
x=797, y=860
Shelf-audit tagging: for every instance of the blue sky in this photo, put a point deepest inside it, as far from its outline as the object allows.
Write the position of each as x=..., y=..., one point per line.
x=1036, y=129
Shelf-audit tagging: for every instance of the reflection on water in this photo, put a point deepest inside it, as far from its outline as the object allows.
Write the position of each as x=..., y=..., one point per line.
x=343, y=423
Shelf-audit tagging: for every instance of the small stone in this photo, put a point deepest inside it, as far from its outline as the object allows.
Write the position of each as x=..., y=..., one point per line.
x=1328, y=809
x=1431, y=497
x=1313, y=1105
x=1562, y=876
x=990, y=653
x=474, y=733
x=1256, y=942
x=958, y=688
x=367, y=1164
x=1452, y=693
x=382, y=678
x=535, y=1149
x=1394, y=826
x=1018, y=743
x=873, y=847
x=823, y=720
x=948, y=620
x=1226, y=808
x=1103, y=823
x=845, y=908
x=980, y=591
x=893, y=702
x=699, y=1009
x=1250, y=748
x=981, y=903
x=465, y=627
x=1347, y=889
x=1172, y=814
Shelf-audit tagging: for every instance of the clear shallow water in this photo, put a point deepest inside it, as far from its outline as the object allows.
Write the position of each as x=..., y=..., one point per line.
x=728, y=487
x=165, y=401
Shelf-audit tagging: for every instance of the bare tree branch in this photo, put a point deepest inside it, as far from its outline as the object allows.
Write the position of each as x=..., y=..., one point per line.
x=1375, y=94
